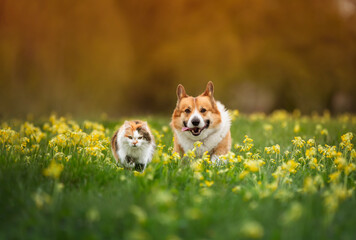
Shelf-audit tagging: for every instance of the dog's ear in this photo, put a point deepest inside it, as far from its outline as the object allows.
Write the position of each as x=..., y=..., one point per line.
x=209, y=91
x=181, y=92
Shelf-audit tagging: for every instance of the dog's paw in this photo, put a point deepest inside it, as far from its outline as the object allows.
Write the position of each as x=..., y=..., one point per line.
x=216, y=160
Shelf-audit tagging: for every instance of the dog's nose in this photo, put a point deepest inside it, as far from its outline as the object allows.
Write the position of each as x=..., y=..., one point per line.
x=195, y=121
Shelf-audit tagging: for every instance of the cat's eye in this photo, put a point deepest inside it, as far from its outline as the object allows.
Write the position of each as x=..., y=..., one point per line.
x=139, y=137
x=129, y=137
x=187, y=110
x=203, y=110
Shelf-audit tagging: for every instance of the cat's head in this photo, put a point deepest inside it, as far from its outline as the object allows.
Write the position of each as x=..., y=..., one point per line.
x=136, y=133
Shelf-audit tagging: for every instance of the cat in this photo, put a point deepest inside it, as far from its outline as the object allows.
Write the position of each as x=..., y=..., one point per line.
x=133, y=145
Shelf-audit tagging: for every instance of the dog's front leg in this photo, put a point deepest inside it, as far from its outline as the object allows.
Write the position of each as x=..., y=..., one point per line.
x=177, y=148
x=221, y=149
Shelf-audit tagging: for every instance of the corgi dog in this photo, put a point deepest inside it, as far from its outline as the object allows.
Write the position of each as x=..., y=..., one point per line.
x=201, y=119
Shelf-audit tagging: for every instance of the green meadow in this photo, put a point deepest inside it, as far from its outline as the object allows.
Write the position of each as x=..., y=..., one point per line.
x=287, y=177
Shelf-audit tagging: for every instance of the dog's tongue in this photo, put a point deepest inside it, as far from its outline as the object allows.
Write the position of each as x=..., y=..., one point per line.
x=185, y=129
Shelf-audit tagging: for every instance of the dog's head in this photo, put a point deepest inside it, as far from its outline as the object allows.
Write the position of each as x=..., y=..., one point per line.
x=195, y=115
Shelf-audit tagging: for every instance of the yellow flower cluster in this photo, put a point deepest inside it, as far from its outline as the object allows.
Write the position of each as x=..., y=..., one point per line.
x=70, y=135
x=271, y=170
x=234, y=114
x=64, y=137
x=32, y=132
x=54, y=170
x=275, y=149
x=346, y=141
x=298, y=142
x=247, y=145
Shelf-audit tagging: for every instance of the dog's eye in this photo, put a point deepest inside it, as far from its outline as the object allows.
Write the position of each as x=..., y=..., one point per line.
x=203, y=110
x=187, y=110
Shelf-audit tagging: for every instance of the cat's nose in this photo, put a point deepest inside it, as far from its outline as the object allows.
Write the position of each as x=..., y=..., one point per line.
x=135, y=142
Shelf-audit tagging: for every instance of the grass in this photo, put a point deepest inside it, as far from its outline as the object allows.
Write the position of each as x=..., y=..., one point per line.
x=58, y=180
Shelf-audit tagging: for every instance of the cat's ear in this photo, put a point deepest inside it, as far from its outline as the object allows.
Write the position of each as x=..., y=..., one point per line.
x=144, y=125
x=181, y=92
x=127, y=124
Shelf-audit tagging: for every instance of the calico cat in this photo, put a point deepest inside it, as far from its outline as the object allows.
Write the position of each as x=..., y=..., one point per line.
x=133, y=145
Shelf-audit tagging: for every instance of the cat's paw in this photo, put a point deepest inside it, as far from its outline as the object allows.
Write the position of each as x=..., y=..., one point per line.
x=139, y=167
x=129, y=162
x=129, y=165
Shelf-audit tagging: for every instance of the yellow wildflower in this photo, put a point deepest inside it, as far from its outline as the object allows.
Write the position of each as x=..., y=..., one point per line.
x=293, y=213
x=353, y=153
x=197, y=144
x=309, y=186
x=54, y=170
x=243, y=174
x=349, y=168
x=290, y=166
x=165, y=129
x=309, y=153
x=234, y=114
x=248, y=144
x=41, y=198
x=334, y=177
x=252, y=229
x=138, y=174
x=209, y=183
x=324, y=132
x=346, y=141
x=8, y=135
x=253, y=165
x=298, y=141
x=311, y=142
x=340, y=163
x=273, y=185
x=197, y=166
x=313, y=163
x=198, y=176
x=276, y=149
x=236, y=189
x=268, y=128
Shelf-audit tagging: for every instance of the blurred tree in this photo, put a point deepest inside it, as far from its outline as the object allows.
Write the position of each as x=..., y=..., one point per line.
x=127, y=57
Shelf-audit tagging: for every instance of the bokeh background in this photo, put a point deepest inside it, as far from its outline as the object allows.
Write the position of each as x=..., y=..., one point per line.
x=127, y=57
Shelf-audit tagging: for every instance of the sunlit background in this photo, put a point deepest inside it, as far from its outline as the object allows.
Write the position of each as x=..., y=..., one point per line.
x=127, y=57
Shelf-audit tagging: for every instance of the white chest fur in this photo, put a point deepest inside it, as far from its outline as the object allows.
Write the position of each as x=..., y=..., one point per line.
x=210, y=137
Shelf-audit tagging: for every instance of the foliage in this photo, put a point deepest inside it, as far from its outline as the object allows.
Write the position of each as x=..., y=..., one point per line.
x=58, y=179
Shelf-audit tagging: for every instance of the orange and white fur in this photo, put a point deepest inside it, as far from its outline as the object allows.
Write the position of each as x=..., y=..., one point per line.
x=133, y=145
x=201, y=119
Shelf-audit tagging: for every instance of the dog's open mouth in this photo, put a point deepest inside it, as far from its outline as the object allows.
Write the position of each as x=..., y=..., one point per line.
x=196, y=131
